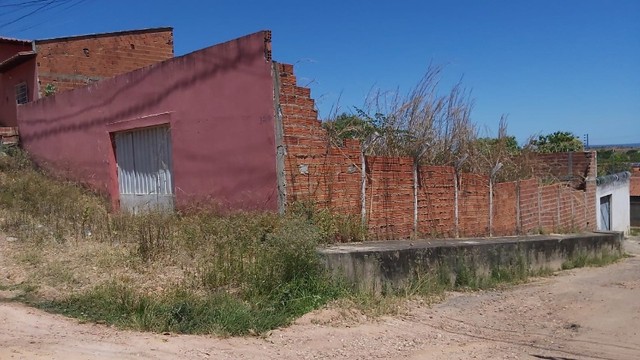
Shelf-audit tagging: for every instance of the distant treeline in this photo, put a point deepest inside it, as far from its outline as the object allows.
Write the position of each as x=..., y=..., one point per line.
x=615, y=160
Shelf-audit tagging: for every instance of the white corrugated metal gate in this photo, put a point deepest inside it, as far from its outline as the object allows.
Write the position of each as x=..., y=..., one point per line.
x=144, y=169
x=605, y=213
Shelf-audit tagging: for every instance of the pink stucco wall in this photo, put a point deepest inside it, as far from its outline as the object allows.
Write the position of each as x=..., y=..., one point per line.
x=25, y=72
x=8, y=48
x=217, y=101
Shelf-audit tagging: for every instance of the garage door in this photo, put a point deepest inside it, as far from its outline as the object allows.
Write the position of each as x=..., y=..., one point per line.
x=144, y=169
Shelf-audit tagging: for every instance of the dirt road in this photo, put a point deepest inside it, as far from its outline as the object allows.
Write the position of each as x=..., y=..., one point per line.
x=591, y=313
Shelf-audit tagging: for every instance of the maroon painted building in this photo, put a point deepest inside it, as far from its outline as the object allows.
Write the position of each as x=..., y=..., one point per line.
x=228, y=126
x=17, y=77
x=33, y=69
x=199, y=128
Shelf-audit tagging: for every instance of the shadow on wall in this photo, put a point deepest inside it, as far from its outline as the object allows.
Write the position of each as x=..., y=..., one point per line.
x=133, y=79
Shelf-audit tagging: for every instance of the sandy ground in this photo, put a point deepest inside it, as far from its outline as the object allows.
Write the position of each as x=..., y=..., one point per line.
x=591, y=313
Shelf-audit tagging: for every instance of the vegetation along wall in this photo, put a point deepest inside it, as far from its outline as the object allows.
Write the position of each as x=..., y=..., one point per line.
x=396, y=198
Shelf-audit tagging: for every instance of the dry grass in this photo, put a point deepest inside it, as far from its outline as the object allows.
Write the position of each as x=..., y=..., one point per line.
x=195, y=273
x=76, y=257
x=434, y=126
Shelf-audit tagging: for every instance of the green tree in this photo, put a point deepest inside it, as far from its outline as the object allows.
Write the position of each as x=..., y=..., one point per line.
x=559, y=141
x=508, y=144
x=634, y=155
x=613, y=162
x=347, y=126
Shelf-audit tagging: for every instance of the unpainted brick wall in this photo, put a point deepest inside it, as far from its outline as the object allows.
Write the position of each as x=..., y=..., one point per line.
x=573, y=167
x=390, y=196
x=529, y=205
x=9, y=136
x=505, y=208
x=329, y=175
x=635, y=182
x=72, y=62
x=474, y=204
x=436, y=199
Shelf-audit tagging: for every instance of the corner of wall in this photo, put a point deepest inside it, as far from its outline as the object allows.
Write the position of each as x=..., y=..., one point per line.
x=267, y=45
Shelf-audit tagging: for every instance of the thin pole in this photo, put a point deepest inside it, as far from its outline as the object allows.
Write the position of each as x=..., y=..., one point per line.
x=491, y=207
x=455, y=204
x=363, y=188
x=415, y=198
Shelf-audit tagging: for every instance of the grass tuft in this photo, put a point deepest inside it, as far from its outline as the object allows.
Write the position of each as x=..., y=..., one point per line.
x=189, y=272
x=194, y=271
x=586, y=260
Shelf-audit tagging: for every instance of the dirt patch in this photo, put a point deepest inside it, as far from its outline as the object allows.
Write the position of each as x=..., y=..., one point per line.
x=589, y=313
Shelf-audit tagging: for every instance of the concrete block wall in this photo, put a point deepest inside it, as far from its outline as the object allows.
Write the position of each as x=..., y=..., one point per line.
x=395, y=206
x=72, y=62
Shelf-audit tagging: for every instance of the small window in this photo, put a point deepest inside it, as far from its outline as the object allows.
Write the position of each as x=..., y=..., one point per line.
x=22, y=94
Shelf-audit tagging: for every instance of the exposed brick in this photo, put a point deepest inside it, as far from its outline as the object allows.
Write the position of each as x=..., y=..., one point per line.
x=330, y=176
x=69, y=63
x=635, y=182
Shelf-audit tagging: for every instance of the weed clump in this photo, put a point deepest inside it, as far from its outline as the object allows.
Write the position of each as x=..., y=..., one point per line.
x=582, y=259
x=194, y=272
x=191, y=272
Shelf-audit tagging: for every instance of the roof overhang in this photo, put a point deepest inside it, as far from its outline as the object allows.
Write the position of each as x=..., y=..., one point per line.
x=14, y=41
x=15, y=60
x=99, y=35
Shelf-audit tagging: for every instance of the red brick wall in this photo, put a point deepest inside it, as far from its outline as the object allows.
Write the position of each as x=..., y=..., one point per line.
x=9, y=135
x=549, y=206
x=329, y=175
x=529, y=206
x=635, y=182
x=65, y=63
x=566, y=216
x=505, y=204
x=573, y=167
x=436, y=196
x=474, y=204
x=389, y=196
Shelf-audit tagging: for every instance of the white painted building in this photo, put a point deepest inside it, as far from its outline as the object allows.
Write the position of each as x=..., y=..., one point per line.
x=612, y=202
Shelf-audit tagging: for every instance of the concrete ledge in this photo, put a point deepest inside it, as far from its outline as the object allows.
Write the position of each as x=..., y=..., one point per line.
x=374, y=265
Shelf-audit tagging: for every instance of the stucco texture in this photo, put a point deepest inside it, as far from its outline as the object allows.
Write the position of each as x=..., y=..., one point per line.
x=218, y=103
x=620, y=206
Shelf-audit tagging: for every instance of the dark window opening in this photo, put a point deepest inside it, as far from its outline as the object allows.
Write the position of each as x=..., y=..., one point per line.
x=22, y=93
x=635, y=210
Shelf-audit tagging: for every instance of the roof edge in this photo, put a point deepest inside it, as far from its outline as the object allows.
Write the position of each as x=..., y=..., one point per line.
x=623, y=176
x=98, y=35
x=12, y=40
x=16, y=60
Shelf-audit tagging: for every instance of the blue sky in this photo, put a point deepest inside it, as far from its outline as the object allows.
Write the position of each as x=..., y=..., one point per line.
x=549, y=64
